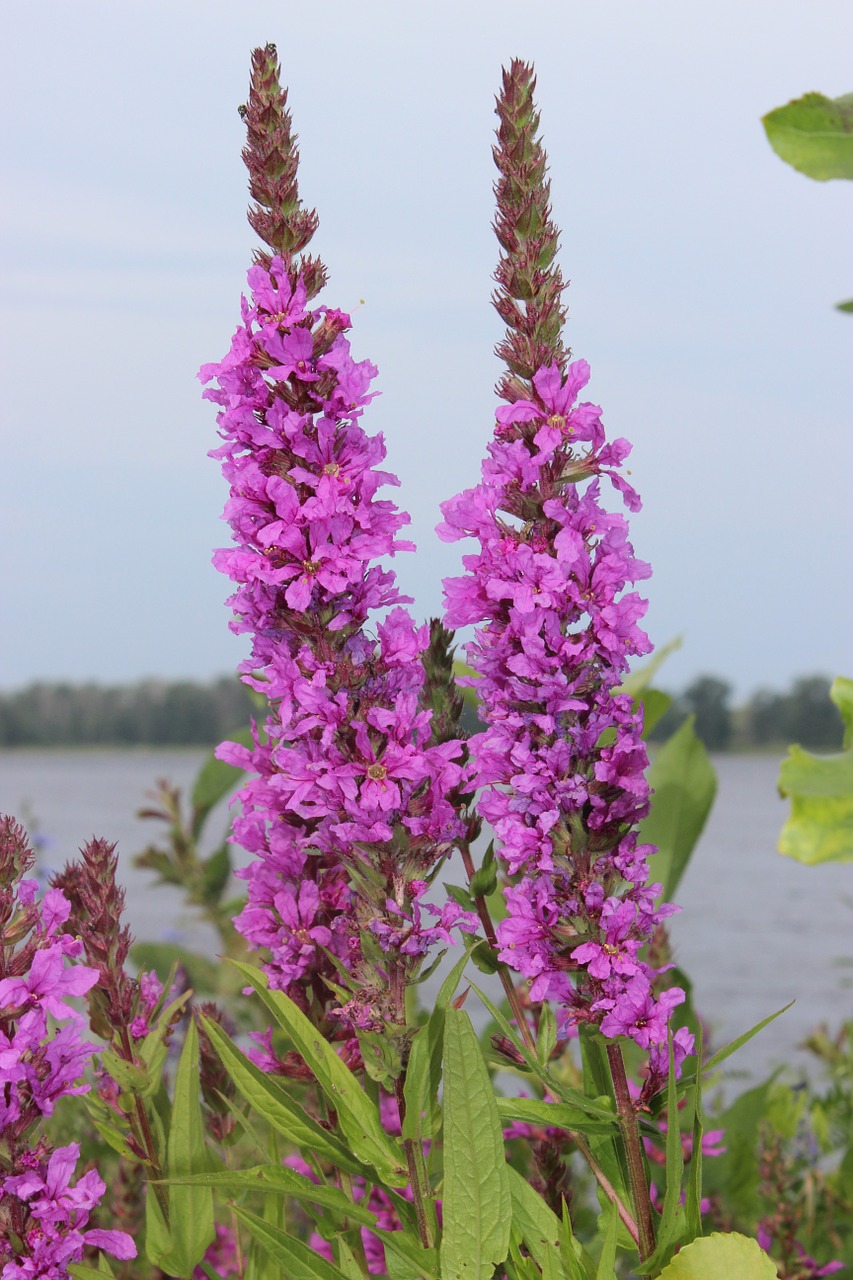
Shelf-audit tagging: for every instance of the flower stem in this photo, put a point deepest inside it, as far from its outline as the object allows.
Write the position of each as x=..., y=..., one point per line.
x=413, y=1149
x=633, y=1151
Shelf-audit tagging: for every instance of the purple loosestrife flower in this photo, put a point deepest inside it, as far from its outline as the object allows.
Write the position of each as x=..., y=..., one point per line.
x=561, y=762
x=43, y=1058
x=348, y=811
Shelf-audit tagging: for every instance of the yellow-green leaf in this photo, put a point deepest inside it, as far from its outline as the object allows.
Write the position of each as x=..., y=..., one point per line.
x=820, y=828
x=814, y=134
x=721, y=1257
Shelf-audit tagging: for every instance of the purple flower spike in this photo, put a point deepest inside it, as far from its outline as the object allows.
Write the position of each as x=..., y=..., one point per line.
x=354, y=773
x=560, y=765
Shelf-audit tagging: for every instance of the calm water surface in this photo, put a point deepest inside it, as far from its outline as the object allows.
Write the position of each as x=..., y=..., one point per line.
x=756, y=929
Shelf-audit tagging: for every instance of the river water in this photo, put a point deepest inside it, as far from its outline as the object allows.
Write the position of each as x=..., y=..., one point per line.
x=756, y=930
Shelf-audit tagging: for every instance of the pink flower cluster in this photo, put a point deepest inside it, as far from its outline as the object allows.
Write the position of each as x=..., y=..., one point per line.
x=348, y=775
x=42, y=1058
x=561, y=763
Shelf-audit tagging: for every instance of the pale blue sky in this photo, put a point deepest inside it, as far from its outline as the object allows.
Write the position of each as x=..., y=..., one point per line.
x=703, y=276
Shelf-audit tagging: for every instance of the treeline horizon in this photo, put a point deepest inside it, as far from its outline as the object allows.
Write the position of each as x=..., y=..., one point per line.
x=165, y=713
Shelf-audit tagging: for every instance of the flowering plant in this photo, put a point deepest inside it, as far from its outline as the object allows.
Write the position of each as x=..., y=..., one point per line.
x=333, y=1128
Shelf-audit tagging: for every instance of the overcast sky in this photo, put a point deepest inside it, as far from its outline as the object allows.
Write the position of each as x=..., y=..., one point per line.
x=704, y=273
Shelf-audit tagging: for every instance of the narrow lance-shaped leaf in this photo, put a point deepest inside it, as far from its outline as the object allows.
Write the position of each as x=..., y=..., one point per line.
x=191, y=1222
x=268, y=1099
x=357, y=1115
x=476, y=1204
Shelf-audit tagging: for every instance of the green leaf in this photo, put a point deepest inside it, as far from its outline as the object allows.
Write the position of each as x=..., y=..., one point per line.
x=735, y=1176
x=607, y=1148
x=203, y=973
x=693, y=1199
x=559, y=1114
x=406, y=1257
x=423, y=1072
x=215, y=874
x=546, y=1037
x=638, y=681
x=539, y=1227
x=191, y=1224
x=298, y=1260
x=476, y=1202
x=732, y=1047
x=684, y=785
x=269, y=1099
x=81, y=1272
x=847, y=306
x=284, y=1182
x=357, y=1115
x=820, y=828
x=655, y=705
x=670, y=1214
x=597, y=1107
x=607, y=1262
x=214, y=780
x=127, y=1075
x=721, y=1256
x=814, y=134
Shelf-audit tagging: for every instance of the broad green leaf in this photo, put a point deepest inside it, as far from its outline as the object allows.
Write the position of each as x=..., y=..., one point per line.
x=268, y=1099
x=655, y=704
x=814, y=134
x=298, y=1260
x=476, y=1205
x=846, y=307
x=721, y=1256
x=357, y=1115
x=81, y=1272
x=684, y=785
x=820, y=828
x=191, y=1224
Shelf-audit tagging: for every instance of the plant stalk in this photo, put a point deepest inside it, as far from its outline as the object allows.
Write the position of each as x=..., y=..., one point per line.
x=633, y=1151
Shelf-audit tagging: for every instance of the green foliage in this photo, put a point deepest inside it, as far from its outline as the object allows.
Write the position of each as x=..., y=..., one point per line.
x=820, y=828
x=720, y=1256
x=476, y=1197
x=684, y=785
x=814, y=135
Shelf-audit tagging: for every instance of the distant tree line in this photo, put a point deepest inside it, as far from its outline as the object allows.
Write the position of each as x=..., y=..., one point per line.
x=150, y=713
x=805, y=714
x=187, y=713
